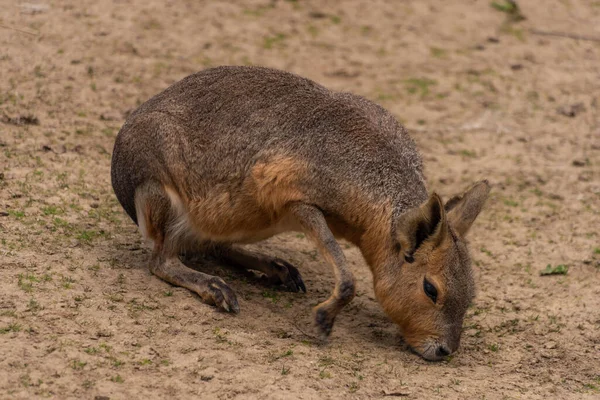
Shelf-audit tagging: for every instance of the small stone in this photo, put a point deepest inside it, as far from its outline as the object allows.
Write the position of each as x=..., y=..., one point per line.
x=30, y=8
x=206, y=378
x=586, y=176
x=579, y=163
x=550, y=345
x=572, y=110
x=317, y=14
x=402, y=392
x=546, y=354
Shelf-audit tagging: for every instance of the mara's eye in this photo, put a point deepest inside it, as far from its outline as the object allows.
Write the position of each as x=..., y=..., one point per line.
x=430, y=290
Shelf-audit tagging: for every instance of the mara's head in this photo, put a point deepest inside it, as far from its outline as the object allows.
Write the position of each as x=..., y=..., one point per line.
x=426, y=284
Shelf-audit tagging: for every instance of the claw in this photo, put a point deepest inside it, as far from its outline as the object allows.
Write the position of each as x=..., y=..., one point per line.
x=223, y=297
x=296, y=278
x=292, y=278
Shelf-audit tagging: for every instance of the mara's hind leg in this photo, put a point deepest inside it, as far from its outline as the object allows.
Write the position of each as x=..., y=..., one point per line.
x=213, y=290
x=161, y=220
x=278, y=271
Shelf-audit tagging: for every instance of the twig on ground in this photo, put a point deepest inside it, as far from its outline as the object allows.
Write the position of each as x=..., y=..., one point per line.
x=304, y=333
x=18, y=30
x=565, y=35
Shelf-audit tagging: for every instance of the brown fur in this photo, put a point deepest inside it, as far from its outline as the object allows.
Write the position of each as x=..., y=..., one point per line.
x=239, y=154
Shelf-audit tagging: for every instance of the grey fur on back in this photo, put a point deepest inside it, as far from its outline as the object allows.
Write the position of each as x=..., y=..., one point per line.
x=210, y=128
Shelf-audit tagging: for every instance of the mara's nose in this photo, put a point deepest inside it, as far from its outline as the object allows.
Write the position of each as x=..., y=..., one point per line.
x=442, y=351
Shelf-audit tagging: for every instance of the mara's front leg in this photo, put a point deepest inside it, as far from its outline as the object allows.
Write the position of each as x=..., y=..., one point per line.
x=313, y=223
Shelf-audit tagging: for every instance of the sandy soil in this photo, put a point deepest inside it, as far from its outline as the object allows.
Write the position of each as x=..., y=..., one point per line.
x=82, y=317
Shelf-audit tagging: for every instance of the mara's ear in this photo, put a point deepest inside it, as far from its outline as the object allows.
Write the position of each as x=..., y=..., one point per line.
x=427, y=222
x=462, y=210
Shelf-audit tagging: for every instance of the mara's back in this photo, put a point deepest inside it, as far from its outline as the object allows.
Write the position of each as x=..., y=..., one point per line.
x=212, y=128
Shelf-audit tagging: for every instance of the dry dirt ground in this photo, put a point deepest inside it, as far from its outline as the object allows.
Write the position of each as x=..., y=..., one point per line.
x=484, y=97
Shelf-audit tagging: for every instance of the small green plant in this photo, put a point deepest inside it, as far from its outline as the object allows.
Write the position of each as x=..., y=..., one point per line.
x=419, y=85
x=437, y=52
x=87, y=384
x=10, y=328
x=16, y=214
x=271, y=41
x=313, y=30
x=106, y=347
x=494, y=347
x=52, y=210
x=324, y=374
x=510, y=8
x=34, y=306
x=468, y=153
x=87, y=236
x=270, y=294
x=67, y=282
x=219, y=336
x=486, y=251
x=78, y=365
x=117, y=379
x=24, y=284
x=560, y=269
x=591, y=386
x=284, y=370
x=285, y=354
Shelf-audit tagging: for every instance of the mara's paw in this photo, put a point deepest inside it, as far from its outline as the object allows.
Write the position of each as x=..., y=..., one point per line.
x=284, y=273
x=324, y=322
x=219, y=294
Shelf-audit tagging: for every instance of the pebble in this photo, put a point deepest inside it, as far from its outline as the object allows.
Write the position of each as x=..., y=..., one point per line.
x=550, y=345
